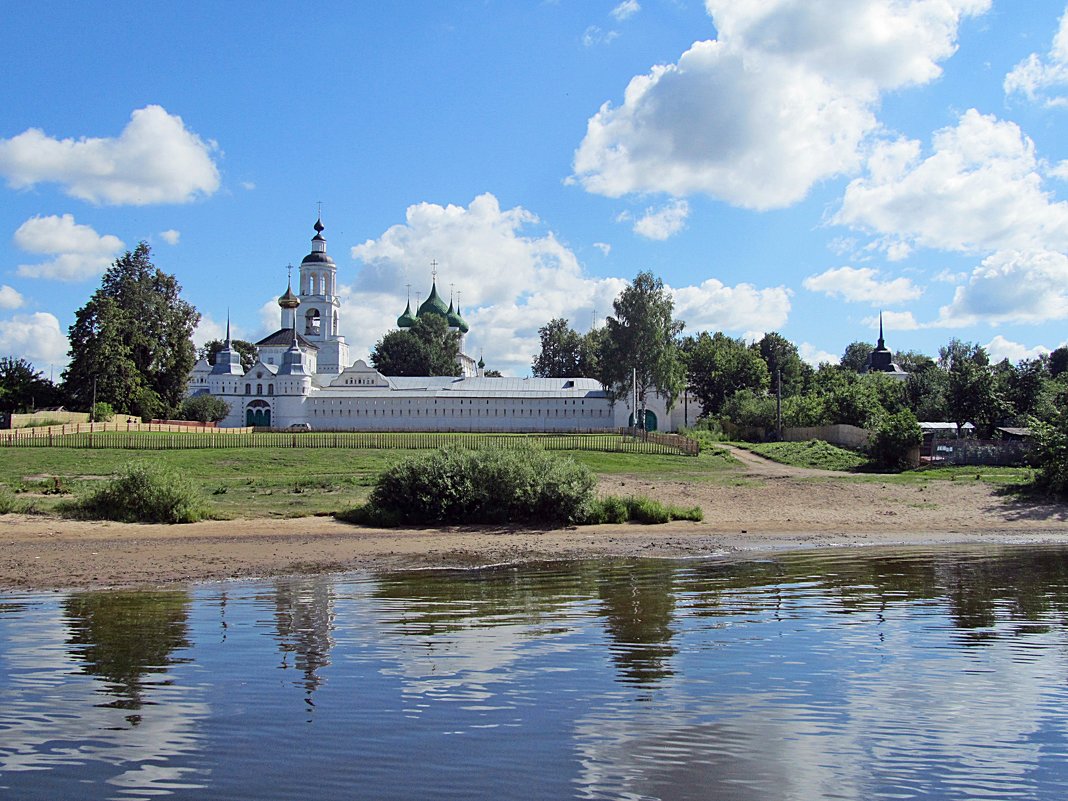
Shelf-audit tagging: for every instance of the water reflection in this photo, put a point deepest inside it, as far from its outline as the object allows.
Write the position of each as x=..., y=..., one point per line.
x=852, y=674
x=128, y=639
x=303, y=619
x=638, y=604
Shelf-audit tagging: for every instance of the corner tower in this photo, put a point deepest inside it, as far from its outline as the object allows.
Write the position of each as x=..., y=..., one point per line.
x=321, y=306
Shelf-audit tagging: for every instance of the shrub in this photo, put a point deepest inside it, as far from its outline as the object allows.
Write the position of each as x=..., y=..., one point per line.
x=204, y=409
x=894, y=439
x=102, y=412
x=142, y=493
x=1051, y=455
x=454, y=485
x=612, y=509
x=8, y=502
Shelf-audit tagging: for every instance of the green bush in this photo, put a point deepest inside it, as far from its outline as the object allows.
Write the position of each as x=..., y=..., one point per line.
x=102, y=412
x=454, y=485
x=1051, y=455
x=612, y=509
x=894, y=439
x=204, y=409
x=8, y=503
x=142, y=493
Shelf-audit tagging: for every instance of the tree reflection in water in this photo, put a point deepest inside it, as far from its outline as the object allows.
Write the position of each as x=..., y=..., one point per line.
x=126, y=638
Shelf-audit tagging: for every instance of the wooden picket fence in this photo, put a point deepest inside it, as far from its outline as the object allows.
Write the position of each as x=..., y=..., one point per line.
x=163, y=437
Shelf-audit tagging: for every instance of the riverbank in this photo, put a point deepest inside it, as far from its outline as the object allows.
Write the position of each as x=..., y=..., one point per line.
x=767, y=508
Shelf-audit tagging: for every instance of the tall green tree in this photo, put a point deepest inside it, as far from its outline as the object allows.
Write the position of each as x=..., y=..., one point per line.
x=718, y=366
x=779, y=353
x=856, y=355
x=561, y=350
x=23, y=388
x=972, y=392
x=132, y=339
x=641, y=352
x=428, y=348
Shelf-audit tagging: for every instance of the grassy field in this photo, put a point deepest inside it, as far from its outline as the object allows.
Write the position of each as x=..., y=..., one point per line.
x=825, y=456
x=289, y=482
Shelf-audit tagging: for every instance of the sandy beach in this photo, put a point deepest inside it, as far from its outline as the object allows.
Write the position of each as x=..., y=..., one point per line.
x=765, y=507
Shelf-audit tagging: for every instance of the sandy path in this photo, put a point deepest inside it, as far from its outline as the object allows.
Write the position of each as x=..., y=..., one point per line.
x=761, y=507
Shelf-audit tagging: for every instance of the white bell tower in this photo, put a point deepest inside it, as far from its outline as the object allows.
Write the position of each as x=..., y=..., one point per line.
x=320, y=307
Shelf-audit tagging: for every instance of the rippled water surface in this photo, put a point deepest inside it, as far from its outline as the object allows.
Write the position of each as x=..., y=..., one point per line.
x=901, y=674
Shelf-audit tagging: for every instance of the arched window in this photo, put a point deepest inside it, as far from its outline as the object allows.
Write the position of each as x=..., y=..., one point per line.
x=311, y=322
x=248, y=389
x=259, y=389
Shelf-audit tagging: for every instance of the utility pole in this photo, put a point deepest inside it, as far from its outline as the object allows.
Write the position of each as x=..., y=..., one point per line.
x=778, y=402
x=92, y=409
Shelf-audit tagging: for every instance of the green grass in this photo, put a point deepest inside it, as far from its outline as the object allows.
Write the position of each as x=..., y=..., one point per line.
x=287, y=482
x=813, y=453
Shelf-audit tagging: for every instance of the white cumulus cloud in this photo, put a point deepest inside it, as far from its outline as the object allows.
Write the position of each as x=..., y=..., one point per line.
x=810, y=354
x=77, y=251
x=35, y=337
x=980, y=188
x=1012, y=287
x=714, y=306
x=784, y=98
x=10, y=297
x=170, y=236
x=1033, y=76
x=512, y=276
x=862, y=285
x=663, y=223
x=1001, y=348
x=155, y=159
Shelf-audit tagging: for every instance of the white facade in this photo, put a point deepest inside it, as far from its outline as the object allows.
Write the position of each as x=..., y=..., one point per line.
x=303, y=379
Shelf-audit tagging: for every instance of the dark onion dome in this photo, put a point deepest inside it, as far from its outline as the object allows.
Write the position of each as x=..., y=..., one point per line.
x=289, y=300
x=318, y=253
x=406, y=320
x=481, y=364
x=434, y=304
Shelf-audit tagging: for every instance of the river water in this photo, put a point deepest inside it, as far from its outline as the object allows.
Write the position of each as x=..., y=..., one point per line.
x=854, y=674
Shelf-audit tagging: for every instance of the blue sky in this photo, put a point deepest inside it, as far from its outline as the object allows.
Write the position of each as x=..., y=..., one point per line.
x=784, y=165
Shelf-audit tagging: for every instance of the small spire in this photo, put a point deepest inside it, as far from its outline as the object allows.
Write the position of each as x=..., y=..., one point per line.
x=882, y=344
x=228, y=343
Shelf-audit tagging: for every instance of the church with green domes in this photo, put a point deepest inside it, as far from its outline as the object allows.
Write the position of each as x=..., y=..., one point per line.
x=303, y=378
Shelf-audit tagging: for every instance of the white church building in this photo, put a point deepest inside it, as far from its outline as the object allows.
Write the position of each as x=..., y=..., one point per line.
x=303, y=379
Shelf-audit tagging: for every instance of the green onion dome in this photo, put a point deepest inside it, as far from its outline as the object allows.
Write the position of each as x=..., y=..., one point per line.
x=406, y=320
x=463, y=326
x=455, y=321
x=433, y=304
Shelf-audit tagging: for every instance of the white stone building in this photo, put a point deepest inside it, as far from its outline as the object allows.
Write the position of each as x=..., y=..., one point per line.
x=303, y=379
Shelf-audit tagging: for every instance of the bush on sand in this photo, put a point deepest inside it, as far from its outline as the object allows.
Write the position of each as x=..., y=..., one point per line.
x=142, y=493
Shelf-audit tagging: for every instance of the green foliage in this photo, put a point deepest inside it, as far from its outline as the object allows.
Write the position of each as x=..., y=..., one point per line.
x=204, y=409
x=612, y=509
x=779, y=353
x=457, y=485
x=560, y=350
x=894, y=439
x=427, y=348
x=640, y=341
x=718, y=366
x=246, y=350
x=22, y=388
x=811, y=453
x=746, y=411
x=102, y=412
x=8, y=503
x=131, y=340
x=855, y=357
x=1051, y=454
x=142, y=493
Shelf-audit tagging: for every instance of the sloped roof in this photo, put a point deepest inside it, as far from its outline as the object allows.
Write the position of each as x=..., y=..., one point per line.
x=283, y=338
